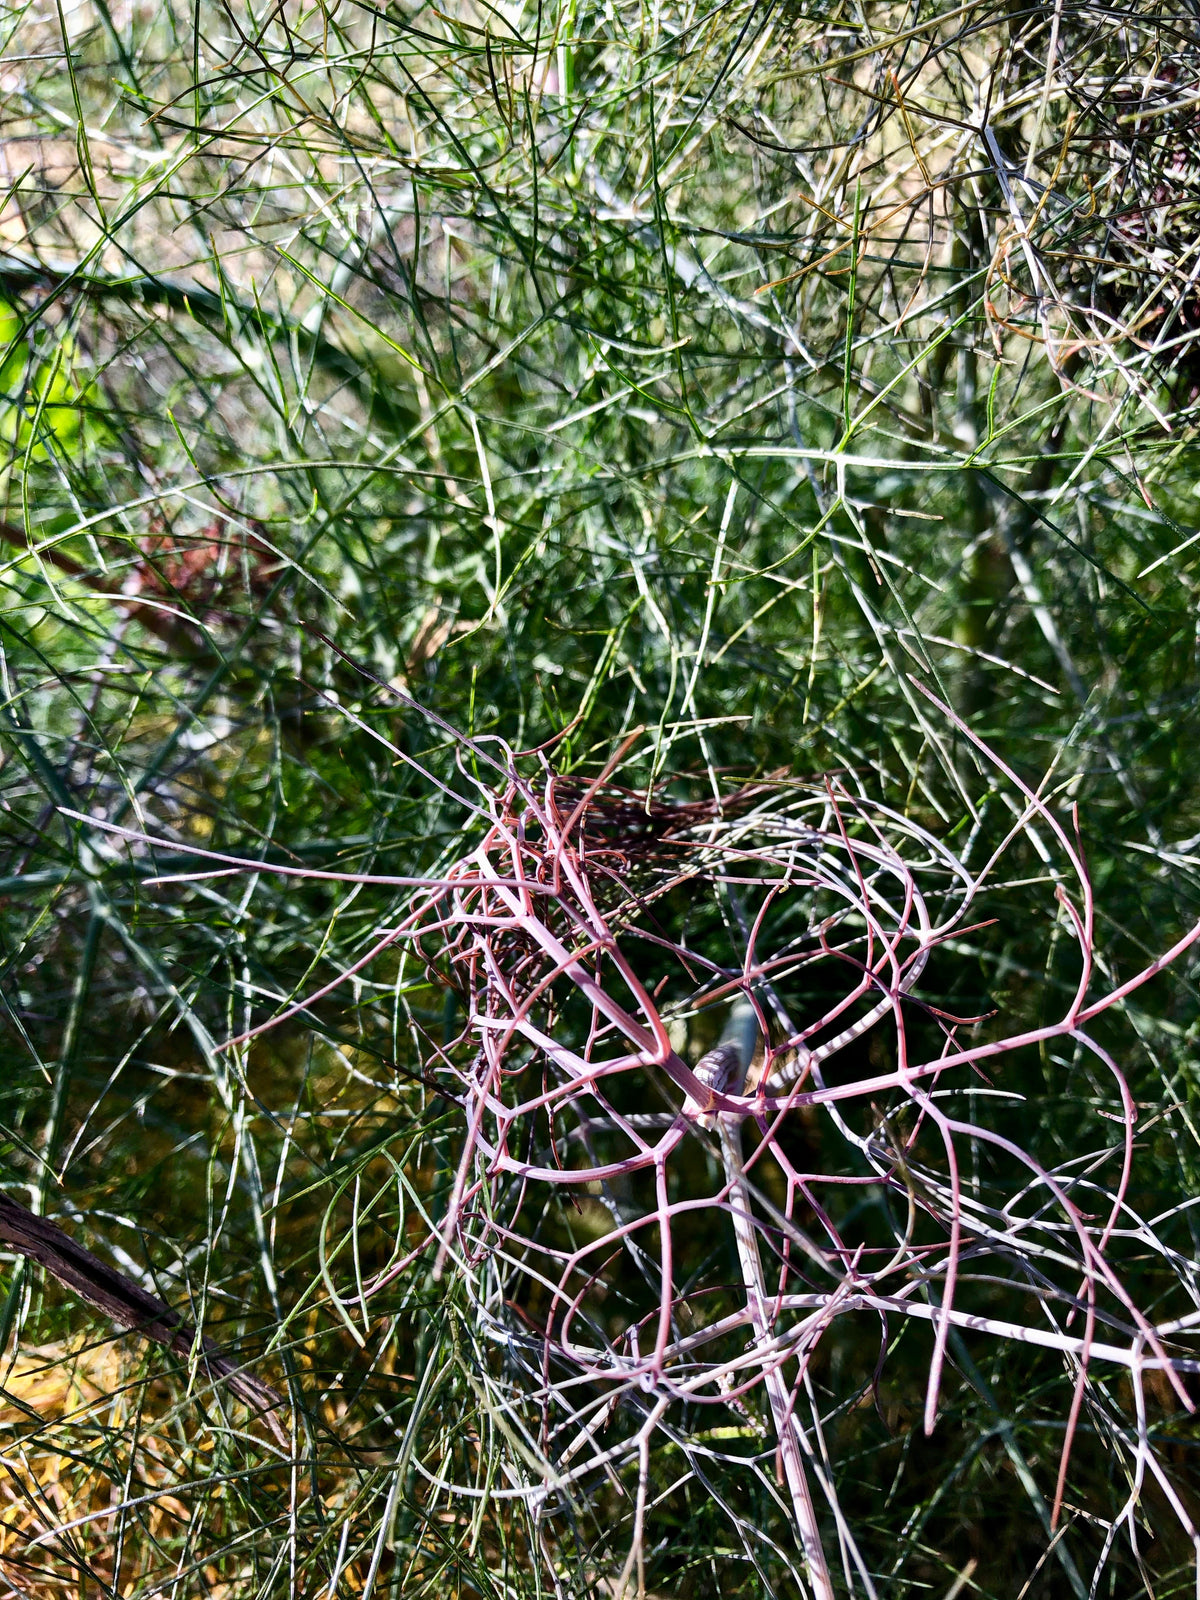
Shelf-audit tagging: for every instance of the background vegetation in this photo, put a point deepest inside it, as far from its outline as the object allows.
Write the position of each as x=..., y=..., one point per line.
x=719, y=369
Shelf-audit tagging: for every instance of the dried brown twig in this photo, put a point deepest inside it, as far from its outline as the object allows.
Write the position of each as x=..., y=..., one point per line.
x=124, y=1302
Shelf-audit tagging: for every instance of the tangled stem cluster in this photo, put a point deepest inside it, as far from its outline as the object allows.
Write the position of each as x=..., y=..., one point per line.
x=587, y=935
x=548, y=930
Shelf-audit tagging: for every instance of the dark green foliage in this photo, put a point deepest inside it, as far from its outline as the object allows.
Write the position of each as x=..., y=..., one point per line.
x=718, y=371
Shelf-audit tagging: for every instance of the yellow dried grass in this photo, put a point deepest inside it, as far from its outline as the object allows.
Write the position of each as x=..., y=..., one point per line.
x=86, y=1445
